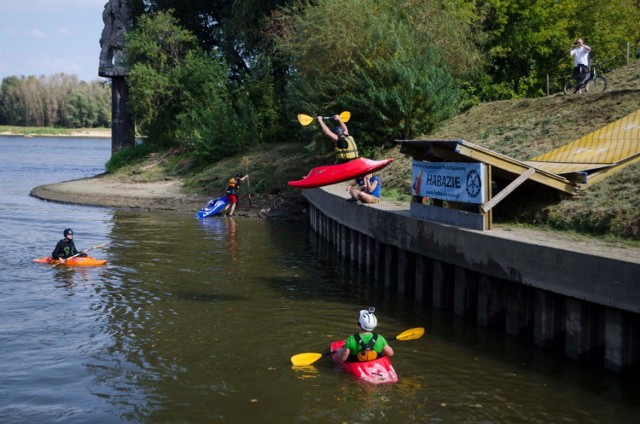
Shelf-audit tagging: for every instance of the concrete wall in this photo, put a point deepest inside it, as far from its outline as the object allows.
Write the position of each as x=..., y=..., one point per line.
x=558, y=296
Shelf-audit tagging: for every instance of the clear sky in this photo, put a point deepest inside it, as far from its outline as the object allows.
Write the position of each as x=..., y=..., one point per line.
x=45, y=37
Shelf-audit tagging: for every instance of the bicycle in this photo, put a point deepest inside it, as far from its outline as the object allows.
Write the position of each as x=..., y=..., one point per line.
x=594, y=83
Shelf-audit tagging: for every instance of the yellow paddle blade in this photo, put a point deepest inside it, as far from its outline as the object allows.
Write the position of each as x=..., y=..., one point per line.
x=302, y=359
x=411, y=334
x=304, y=119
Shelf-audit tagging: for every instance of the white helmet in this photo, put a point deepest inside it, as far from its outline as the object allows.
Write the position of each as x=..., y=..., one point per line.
x=367, y=320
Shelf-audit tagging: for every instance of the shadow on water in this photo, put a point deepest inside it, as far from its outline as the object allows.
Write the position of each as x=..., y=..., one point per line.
x=209, y=298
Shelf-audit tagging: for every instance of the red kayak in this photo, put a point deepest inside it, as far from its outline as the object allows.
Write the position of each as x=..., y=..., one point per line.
x=77, y=261
x=332, y=174
x=378, y=371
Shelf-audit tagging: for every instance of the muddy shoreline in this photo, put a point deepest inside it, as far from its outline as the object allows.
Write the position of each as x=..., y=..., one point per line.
x=108, y=191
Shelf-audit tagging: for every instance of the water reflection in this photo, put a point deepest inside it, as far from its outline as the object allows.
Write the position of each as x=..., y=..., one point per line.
x=214, y=228
x=231, y=238
x=305, y=371
x=69, y=277
x=196, y=321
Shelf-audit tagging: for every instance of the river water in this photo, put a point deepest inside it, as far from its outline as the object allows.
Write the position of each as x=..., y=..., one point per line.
x=195, y=322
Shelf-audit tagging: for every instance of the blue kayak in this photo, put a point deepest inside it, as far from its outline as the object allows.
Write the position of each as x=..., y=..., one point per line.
x=212, y=208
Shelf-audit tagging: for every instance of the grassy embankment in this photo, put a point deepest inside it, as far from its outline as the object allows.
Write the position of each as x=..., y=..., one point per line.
x=524, y=129
x=521, y=129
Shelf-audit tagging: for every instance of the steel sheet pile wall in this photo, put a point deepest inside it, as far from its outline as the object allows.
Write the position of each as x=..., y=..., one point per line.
x=588, y=306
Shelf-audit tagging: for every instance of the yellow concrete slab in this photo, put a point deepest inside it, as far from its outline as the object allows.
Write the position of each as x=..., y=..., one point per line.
x=607, y=145
x=564, y=168
x=568, y=168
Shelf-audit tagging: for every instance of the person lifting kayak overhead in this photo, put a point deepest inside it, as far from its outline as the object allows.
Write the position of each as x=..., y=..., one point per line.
x=66, y=247
x=232, y=192
x=365, y=345
x=345, y=145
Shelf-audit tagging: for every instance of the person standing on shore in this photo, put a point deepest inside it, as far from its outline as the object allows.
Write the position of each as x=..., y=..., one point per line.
x=232, y=192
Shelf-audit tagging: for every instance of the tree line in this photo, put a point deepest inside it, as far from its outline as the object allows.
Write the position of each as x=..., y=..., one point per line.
x=215, y=77
x=59, y=100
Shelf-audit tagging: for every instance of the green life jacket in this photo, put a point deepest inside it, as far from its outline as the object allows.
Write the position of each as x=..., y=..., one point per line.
x=366, y=352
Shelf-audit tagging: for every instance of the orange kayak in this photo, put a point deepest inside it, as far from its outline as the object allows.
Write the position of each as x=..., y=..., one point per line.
x=77, y=261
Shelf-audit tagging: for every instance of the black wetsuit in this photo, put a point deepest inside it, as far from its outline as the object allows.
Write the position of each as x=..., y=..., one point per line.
x=64, y=249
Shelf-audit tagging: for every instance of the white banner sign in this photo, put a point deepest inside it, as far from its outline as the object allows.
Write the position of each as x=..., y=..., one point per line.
x=453, y=181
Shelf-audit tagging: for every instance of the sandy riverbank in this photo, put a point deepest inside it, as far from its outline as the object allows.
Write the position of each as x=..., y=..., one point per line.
x=109, y=191
x=106, y=190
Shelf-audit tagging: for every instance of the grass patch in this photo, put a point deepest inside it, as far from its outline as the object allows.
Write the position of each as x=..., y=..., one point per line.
x=396, y=195
x=129, y=157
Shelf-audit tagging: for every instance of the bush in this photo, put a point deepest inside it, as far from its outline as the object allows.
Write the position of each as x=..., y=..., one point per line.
x=128, y=156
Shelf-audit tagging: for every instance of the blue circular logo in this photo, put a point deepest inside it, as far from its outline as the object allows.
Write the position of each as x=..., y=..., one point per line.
x=474, y=185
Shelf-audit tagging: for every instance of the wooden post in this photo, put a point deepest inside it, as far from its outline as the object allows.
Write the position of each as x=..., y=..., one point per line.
x=547, y=85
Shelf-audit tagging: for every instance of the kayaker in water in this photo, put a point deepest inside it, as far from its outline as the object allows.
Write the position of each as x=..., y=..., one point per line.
x=368, y=191
x=364, y=346
x=66, y=247
x=345, y=145
x=232, y=192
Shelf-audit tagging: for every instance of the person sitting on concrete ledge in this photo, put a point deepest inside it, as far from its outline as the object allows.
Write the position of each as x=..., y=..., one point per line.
x=368, y=190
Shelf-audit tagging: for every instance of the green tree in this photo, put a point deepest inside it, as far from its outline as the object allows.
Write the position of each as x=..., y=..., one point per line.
x=153, y=50
x=182, y=97
x=607, y=27
x=523, y=41
x=389, y=64
x=58, y=100
x=12, y=108
x=79, y=111
x=232, y=28
x=235, y=31
x=101, y=92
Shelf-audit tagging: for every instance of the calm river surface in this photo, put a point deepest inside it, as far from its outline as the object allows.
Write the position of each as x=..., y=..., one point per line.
x=195, y=321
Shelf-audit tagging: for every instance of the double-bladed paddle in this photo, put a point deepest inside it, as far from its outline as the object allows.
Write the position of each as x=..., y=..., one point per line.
x=306, y=119
x=303, y=359
x=245, y=162
x=84, y=251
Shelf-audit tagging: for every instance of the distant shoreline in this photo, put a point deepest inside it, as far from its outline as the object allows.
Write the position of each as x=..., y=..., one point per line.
x=82, y=132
